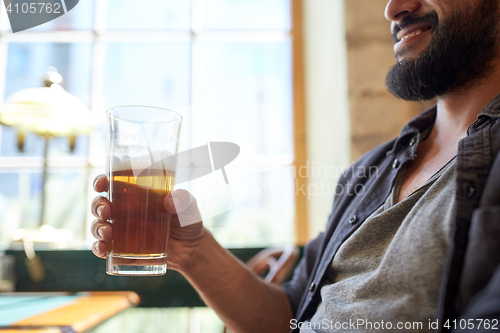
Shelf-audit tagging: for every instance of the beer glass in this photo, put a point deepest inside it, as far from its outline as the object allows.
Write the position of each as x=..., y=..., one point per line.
x=141, y=148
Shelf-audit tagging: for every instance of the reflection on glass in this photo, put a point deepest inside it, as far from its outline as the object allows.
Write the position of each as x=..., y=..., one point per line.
x=265, y=217
x=248, y=86
x=148, y=15
x=155, y=74
x=246, y=14
x=81, y=17
x=27, y=64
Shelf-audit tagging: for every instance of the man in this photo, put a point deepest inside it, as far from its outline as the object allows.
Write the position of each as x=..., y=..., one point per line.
x=419, y=249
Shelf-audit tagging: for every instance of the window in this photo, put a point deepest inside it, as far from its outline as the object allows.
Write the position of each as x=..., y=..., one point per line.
x=225, y=65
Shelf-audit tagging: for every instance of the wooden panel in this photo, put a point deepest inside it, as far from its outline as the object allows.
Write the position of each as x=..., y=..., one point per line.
x=299, y=123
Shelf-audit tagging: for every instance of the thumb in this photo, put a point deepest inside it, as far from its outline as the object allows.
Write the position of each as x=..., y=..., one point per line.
x=184, y=204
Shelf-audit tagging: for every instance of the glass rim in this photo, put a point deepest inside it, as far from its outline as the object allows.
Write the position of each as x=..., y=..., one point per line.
x=109, y=113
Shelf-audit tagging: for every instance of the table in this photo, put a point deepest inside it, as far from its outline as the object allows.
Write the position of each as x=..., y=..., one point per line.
x=60, y=312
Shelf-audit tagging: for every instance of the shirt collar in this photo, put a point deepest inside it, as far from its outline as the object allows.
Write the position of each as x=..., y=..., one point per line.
x=492, y=109
x=418, y=125
x=414, y=129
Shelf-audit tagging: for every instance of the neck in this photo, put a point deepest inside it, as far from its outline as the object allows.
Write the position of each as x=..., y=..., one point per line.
x=458, y=110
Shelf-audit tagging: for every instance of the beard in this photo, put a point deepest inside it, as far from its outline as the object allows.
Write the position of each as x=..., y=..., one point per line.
x=460, y=53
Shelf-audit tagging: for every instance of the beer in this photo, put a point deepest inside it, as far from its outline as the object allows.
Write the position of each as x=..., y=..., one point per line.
x=141, y=159
x=139, y=221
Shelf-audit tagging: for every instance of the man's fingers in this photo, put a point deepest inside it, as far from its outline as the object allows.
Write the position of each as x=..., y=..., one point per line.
x=101, y=208
x=99, y=249
x=101, y=230
x=101, y=183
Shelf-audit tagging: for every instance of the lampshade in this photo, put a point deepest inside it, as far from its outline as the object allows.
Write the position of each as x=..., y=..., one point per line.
x=48, y=111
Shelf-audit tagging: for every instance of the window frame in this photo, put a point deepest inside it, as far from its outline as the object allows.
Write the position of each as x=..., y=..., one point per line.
x=98, y=36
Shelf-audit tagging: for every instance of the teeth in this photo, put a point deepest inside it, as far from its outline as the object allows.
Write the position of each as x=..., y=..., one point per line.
x=411, y=34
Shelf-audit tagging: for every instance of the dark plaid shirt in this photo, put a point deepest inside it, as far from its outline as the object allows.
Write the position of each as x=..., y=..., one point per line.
x=470, y=287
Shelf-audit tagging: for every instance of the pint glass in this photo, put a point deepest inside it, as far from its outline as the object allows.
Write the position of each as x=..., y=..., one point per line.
x=141, y=144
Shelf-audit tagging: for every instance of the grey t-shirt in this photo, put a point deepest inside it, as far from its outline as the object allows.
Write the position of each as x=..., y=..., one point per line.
x=388, y=272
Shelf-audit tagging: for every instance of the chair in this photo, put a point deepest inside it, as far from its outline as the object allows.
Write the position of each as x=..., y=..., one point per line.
x=277, y=262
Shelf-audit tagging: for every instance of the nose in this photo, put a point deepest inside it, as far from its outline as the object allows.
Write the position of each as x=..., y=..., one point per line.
x=396, y=9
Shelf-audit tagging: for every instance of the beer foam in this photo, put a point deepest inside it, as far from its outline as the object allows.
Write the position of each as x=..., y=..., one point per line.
x=122, y=163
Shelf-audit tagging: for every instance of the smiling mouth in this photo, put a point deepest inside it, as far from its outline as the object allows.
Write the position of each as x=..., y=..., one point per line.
x=411, y=34
x=413, y=31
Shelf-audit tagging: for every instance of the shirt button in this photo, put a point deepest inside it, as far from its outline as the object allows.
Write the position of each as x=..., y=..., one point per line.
x=395, y=164
x=353, y=219
x=412, y=141
x=312, y=287
x=470, y=191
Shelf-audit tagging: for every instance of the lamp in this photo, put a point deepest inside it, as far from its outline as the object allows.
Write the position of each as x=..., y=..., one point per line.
x=49, y=112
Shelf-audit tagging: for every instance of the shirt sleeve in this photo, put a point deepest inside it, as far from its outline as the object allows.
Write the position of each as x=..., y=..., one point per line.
x=297, y=286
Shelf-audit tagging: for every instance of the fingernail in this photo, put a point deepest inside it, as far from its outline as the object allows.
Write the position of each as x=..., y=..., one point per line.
x=99, y=210
x=95, y=181
x=95, y=246
x=101, y=230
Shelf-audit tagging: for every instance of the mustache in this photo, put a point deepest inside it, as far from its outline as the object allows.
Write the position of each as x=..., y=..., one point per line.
x=430, y=18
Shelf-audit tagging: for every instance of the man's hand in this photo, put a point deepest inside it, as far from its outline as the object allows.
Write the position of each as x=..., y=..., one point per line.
x=224, y=283
x=183, y=240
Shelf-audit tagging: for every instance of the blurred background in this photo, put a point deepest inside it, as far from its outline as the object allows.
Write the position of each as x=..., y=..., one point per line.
x=295, y=83
x=226, y=66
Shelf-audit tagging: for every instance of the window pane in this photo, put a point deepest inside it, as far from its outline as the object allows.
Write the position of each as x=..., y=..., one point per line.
x=15, y=208
x=20, y=200
x=154, y=74
x=246, y=14
x=148, y=14
x=65, y=201
x=27, y=64
x=78, y=18
x=34, y=145
x=247, y=97
x=265, y=217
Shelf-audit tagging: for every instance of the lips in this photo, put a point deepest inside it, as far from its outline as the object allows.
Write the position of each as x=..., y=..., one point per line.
x=412, y=30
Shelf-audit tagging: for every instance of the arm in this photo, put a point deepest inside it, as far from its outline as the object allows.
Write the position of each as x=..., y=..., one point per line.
x=244, y=301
